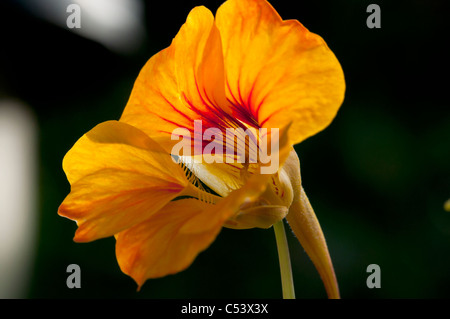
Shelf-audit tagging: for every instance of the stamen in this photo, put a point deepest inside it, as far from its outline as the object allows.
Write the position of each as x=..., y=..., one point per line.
x=198, y=189
x=191, y=177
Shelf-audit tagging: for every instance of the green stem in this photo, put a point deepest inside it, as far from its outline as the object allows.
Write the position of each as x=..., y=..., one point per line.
x=287, y=282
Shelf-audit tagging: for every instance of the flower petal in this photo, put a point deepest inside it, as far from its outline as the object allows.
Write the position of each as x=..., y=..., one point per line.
x=199, y=62
x=277, y=71
x=158, y=247
x=119, y=177
x=154, y=105
x=169, y=241
x=183, y=83
x=304, y=223
x=114, y=144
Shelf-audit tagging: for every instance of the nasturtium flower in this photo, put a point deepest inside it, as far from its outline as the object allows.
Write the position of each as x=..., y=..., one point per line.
x=245, y=68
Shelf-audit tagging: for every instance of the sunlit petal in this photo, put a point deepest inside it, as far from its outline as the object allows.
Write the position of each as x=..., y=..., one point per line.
x=119, y=177
x=183, y=83
x=169, y=241
x=199, y=63
x=154, y=105
x=159, y=246
x=277, y=71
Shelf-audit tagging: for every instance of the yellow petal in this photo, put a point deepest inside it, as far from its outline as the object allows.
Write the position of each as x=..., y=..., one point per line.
x=199, y=62
x=277, y=71
x=183, y=83
x=304, y=223
x=119, y=177
x=169, y=241
x=154, y=105
x=158, y=247
x=116, y=145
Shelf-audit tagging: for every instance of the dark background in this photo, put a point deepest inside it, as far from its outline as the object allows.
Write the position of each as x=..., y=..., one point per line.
x=377, y=177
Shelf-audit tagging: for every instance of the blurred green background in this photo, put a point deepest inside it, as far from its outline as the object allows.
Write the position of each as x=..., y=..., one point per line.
x=377, y=177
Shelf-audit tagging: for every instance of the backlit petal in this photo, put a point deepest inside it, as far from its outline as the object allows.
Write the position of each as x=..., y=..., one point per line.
x=304, y=223
x=119, y=177
x=199, y=62
x=154, y=105
x=169, y=241
x=183, y=83
x=158, y=247
x=277, y=71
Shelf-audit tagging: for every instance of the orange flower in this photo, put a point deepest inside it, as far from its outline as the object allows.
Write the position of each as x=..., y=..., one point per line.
x=244, y=69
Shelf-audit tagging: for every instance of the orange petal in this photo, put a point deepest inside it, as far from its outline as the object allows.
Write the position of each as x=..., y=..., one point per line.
x=119, y=177
x=158, y=247
x=169, y=241
x=277, y=71
x=182, y=83
x=304, y=223
x=154, y=105
x=199, y=62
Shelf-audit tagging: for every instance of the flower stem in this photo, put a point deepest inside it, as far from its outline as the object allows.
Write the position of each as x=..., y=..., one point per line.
x=287, y=282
